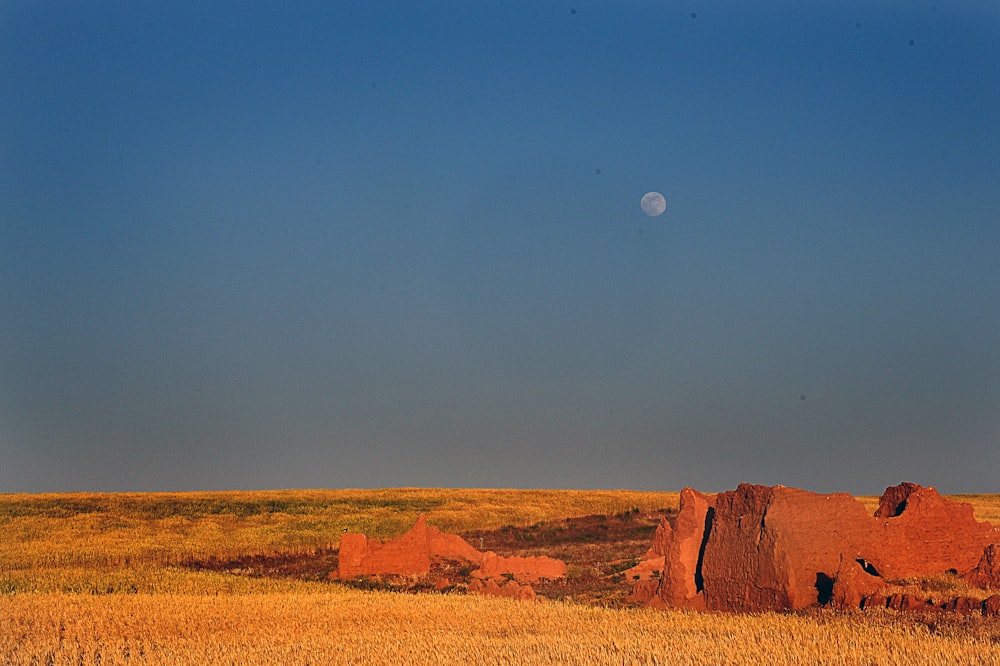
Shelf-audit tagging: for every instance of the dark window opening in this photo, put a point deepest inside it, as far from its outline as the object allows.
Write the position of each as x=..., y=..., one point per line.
x=824, y=588
x=868, y=567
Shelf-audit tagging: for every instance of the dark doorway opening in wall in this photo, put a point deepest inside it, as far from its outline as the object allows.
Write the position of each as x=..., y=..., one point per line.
x=824, y=588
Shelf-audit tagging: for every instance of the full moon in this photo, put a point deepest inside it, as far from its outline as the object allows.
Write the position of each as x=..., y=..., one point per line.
x=653, y=204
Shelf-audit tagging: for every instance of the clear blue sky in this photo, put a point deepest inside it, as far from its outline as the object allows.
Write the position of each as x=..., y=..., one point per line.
x=331, y=244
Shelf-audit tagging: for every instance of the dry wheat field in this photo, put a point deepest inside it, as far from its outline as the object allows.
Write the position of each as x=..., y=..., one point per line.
x=100, y=579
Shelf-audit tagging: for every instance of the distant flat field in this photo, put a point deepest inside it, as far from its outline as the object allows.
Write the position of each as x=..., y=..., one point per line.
x=86, y=529
x=102, y=578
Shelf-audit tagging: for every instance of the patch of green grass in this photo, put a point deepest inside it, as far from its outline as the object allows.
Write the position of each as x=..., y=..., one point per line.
x=155, y=506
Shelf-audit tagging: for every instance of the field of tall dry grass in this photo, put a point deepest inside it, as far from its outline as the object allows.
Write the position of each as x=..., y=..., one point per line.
x=99, y=579
x=353, y=627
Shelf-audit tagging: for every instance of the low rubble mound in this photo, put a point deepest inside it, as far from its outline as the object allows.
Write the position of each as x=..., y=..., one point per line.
x=508, y=588
x=760, y=548
x=531, y=570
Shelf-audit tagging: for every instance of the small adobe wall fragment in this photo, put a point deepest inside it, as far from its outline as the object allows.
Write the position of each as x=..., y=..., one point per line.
x=682, y=582
x=986, y=573
x=650, y=567
x=853, y=583
x=522, y=569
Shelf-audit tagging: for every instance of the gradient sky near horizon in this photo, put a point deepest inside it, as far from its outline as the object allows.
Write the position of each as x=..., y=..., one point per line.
x=377, y=244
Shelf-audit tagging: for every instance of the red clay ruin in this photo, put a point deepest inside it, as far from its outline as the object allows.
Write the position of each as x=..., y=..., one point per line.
x=413, y=554
x=761, y=548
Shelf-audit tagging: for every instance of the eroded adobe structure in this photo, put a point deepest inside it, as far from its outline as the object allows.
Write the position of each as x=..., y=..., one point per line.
x=761, y=548
x=414, y=553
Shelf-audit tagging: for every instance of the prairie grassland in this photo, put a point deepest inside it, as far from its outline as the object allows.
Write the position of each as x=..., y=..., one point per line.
x=985, y=507
x=98, y=578
x=383, y=628
x=133, y=542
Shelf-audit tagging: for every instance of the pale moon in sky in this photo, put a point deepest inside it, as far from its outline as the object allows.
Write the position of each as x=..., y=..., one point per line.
x=653, y=204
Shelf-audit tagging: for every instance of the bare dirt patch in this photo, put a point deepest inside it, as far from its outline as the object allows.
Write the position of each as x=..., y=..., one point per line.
x=596, y=549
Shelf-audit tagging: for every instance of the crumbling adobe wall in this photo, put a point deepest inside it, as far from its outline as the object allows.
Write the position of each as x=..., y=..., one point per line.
x=928, y=534
x=762, y=548
x=408, y=555
x=413, y=553
x=777, y=547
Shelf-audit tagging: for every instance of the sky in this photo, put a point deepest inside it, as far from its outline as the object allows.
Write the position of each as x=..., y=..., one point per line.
x=254, y=245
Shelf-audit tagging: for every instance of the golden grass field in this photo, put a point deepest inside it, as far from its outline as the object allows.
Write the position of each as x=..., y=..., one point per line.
x=98, y=579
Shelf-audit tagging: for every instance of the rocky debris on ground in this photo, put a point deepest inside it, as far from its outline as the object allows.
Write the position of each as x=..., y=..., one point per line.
x=425, y=546
x=991, y=605
x=508, y=588
x=760, y=548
